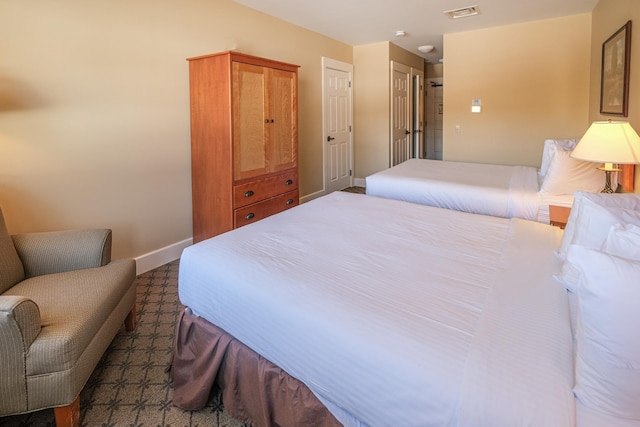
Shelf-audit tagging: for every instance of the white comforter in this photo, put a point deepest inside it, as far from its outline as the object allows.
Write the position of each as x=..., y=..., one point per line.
x=497, y=190
x=394, y=313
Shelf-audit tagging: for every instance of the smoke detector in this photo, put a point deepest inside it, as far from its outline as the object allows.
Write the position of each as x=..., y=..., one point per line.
x=401, y=33
x=463, y=12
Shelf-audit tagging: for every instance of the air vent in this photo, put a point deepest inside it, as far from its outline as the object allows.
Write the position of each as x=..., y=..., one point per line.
x=463, y=12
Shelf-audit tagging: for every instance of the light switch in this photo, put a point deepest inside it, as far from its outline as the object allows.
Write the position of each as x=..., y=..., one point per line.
x=476, y=105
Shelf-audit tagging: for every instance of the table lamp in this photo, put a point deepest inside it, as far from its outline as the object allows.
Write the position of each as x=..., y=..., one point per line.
x=609, y=142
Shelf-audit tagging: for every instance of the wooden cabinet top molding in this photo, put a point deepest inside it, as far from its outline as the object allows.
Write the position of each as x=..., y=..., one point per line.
x=250, y=59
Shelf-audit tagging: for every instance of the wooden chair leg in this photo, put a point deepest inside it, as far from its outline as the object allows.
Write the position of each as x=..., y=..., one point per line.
x=68, y=416
x=130, y=321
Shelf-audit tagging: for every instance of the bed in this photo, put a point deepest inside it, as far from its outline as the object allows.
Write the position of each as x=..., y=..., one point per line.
x=499, y=190
x=362, y=311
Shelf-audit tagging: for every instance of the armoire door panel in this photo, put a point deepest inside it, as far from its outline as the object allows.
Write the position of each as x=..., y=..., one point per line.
x=250, y=127
x=283, y=135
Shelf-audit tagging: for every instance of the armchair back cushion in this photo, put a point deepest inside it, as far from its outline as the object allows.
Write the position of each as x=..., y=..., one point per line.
x=52, y=252
x=11, y=268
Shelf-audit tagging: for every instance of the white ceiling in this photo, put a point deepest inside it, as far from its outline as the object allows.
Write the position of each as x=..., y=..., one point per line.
x=358, y=22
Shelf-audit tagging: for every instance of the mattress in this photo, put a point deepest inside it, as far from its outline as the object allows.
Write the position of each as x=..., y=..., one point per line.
x=497, y=190
x=394, y=313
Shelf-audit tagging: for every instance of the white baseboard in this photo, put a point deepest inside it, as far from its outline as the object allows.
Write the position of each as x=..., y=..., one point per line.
x=161, y=256
x=359, y=182
x=312, y=196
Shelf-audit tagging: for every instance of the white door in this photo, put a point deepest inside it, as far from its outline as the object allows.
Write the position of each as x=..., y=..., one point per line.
x=336, y=117
x=418, y=114
x=401, y=118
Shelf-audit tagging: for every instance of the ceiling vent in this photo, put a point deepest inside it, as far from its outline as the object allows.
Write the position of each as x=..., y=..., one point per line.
x=463, y=12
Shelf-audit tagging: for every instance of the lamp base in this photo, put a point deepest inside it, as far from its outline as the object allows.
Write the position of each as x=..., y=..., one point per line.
x=607, y=183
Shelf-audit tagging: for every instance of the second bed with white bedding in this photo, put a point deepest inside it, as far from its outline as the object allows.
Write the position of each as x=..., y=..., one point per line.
x=402, y=315
x=497, y=190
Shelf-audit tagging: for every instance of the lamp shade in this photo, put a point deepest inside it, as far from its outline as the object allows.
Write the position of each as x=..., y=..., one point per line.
x=609, y=142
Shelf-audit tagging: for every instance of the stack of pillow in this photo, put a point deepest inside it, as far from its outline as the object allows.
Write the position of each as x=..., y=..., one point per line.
x=600, y=251
x=561, y=174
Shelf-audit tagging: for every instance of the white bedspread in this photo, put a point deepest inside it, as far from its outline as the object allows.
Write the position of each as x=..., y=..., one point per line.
x=503, y=191
x=394, y=313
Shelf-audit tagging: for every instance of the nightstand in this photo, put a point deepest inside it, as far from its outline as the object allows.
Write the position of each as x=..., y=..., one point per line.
x=559, y=215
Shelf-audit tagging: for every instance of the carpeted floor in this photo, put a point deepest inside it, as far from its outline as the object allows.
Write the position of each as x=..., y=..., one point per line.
x=359, y=190
x=130, y=386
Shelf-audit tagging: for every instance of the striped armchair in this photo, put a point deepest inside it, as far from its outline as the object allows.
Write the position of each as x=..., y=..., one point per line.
x=62, y=301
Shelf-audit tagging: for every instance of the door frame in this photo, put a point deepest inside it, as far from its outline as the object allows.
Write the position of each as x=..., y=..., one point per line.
x=328, y=63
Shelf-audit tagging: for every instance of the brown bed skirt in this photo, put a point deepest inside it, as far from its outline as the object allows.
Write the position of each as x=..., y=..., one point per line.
x=254, y=390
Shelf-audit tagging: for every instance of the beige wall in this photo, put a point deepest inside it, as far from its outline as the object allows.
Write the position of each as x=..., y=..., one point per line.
x=608, y=17
x=94, y=110
x=403, y=56
x=434, y=70
x=371, y=108
x=372, y=104
x=533, y=82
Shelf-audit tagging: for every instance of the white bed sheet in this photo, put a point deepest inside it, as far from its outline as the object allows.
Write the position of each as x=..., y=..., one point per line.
x=497, y=190
x=394, y=313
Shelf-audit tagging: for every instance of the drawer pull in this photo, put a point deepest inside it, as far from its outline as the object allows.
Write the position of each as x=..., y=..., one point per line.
x=288, y=182
x=248, y=193
x=249, y=216
x=290, y=201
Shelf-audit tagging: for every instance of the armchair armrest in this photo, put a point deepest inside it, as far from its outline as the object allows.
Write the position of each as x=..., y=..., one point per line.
x=60, y=251
x=19, y=327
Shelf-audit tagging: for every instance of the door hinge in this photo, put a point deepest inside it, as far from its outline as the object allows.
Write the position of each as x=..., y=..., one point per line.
x=349, y=128
x=350, y=172
x=349, y=83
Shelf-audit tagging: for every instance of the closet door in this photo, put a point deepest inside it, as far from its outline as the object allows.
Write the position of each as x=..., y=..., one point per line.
x=250, y=120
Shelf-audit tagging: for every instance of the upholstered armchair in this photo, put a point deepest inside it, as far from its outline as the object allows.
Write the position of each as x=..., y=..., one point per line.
x=62, y=301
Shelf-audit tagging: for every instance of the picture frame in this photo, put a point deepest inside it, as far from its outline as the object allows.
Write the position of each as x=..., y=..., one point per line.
x=614, y=84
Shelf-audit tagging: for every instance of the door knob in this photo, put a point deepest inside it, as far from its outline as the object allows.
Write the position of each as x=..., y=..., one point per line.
x=330, y=139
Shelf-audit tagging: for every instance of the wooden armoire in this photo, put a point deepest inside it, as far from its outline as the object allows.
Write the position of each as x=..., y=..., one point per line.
x=244, y=140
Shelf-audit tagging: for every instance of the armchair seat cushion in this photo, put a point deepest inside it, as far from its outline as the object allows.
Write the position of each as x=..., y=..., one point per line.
x=73, y=306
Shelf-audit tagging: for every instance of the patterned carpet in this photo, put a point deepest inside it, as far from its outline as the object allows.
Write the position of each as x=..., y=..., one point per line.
x=359, y=190
x=130, y=387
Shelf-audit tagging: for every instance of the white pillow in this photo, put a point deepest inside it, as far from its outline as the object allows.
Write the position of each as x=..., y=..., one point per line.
x=608, y=342
x=623, y=201
x=596, y=222
x=569, y=275
x=567, y=175
x=550, y=145
x=623, y=241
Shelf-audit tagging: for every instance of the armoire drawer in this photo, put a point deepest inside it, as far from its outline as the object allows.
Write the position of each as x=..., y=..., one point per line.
x=265, y=208
x=255, y=191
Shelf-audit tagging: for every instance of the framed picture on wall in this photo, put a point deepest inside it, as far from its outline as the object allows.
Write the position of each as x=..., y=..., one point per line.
x=614, y=85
